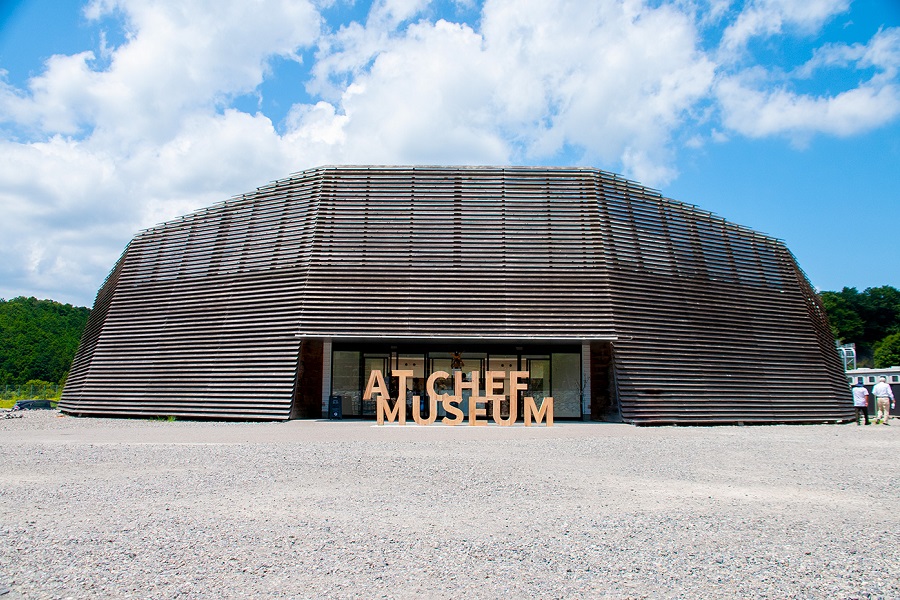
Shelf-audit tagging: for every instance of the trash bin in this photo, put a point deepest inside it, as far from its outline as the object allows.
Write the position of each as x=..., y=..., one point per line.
x=336, y=407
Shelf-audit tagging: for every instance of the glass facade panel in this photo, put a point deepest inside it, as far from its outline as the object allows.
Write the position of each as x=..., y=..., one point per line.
x=471, y=361
x=345, y=380
x=566, y=385
x=444, y=385
x=375, y=363
x=503, y=364
x=539, y=377
x=415, y=385
x=556, y=374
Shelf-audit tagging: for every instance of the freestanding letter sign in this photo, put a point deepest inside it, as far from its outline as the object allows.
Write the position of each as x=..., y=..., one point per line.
x=477, y=408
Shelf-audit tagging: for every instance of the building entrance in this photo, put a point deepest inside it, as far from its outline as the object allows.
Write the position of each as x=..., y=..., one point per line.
x=554, y=371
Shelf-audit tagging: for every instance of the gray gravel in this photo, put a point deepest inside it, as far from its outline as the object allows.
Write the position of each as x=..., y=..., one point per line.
x=104, y=508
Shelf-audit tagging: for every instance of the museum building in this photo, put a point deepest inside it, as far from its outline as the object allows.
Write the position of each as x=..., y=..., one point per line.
x=618, y=302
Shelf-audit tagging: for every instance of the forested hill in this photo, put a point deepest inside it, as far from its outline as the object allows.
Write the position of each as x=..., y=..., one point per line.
x=870, y=319
x=38, y=339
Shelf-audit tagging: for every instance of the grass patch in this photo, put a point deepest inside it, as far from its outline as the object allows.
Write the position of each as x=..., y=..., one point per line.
x=32, y=390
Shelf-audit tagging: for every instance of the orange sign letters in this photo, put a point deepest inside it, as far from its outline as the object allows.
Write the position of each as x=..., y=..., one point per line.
x=494, y=383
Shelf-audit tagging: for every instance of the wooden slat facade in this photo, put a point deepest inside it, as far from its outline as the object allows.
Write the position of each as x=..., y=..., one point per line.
x=710, y=322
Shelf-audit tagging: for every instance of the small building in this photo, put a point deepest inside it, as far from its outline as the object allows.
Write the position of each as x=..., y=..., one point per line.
x=620, y=303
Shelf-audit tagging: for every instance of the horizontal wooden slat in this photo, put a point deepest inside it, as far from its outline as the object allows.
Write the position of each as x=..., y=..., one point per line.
x=203, y=315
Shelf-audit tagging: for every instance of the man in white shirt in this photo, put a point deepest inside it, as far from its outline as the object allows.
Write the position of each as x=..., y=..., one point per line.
x=861, y=401
x=883, y=393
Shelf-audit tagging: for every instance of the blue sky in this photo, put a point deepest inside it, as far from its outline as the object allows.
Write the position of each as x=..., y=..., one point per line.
x=782, y=115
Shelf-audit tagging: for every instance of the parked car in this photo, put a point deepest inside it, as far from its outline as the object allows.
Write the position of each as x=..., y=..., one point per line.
x=32, y=405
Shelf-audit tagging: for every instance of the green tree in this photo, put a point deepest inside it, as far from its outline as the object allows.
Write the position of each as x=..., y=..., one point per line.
x=863, y=318
x=846, y=324
x=38, y=339
x=887, y=352
x=880, y=309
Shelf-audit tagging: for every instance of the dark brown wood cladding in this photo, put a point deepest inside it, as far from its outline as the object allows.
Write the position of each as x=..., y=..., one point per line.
x=710, y=322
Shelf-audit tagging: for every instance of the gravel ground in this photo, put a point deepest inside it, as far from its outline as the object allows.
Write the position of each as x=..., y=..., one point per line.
x=104, y=508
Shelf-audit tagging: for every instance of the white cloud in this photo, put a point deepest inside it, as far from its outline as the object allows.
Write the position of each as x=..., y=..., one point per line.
x=615, y=81
x=752, y=106
x=882, y=53
x=770, y=17
x=115, y=138
x=391, y=13
x=426, y=98
x=146, y=138
x=58, y=100
x=317, y=125
x=179, y=57
x=58, y=232
x=611, y=78
x=761, y=113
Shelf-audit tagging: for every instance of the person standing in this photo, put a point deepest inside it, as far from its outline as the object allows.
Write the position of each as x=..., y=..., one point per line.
x=861, y=401
x=883, y=393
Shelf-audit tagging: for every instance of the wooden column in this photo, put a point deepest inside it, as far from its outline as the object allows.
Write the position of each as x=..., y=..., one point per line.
x=601, y=398
x=307, y=401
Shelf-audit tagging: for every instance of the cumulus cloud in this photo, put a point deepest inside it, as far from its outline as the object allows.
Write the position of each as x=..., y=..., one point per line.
x=104, y=151
x=610, y=78
x=753, y=106
x=771, y=17
x=425, y=98
x=882, y=53
x=763, y=100
x=179, y=57
x=615, y=81
x=56, y=227
x=757, y=113
x=111, y=139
